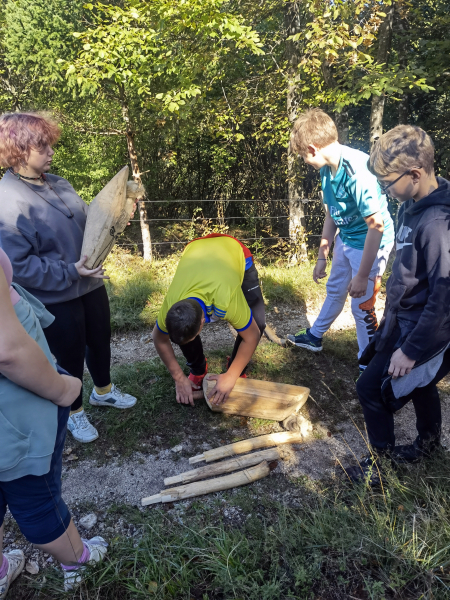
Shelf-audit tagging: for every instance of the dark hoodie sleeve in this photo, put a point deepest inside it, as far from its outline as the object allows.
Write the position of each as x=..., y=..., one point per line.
x=434, y=241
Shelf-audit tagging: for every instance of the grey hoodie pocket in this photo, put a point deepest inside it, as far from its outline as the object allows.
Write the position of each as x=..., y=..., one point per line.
x=14, y=444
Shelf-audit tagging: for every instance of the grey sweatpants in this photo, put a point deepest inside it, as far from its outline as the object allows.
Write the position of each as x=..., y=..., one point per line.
x=345, y=265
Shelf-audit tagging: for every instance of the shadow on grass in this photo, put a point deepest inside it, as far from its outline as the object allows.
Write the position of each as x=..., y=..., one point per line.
x=157, y=412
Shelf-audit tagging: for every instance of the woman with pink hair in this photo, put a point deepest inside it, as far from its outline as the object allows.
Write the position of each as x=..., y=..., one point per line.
x=42, y=221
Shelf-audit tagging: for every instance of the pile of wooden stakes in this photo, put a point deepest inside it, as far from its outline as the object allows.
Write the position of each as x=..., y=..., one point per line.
x=255, y=466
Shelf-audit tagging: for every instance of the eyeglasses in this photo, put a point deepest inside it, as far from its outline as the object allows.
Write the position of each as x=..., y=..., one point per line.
x=384, y=188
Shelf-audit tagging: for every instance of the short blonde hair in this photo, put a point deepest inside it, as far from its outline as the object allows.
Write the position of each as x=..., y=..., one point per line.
x=400, y=149
x=314, y=127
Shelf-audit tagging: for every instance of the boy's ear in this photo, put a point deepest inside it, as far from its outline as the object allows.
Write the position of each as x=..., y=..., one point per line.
x=312, y=149
x=416, y=174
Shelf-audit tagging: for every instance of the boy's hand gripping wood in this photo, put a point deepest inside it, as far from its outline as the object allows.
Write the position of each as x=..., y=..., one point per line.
x=261, y=399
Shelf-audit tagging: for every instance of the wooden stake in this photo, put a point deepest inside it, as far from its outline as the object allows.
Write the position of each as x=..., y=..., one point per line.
x=225, y=467
x=263, y=441
x=211, y=485
x=261, y=399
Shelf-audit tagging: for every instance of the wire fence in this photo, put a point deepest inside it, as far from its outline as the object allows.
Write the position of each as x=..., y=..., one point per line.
x=245, y=216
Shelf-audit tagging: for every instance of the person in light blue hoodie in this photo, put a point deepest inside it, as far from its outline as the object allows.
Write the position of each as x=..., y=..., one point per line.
x=35, y=401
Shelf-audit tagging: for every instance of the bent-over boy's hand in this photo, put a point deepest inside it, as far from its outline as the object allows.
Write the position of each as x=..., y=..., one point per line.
x=320, y=270
x=183, y=388
x=223, y=388
x=400, y=364
x=357, y=288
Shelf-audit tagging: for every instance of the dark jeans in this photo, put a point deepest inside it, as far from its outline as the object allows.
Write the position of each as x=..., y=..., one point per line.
x=82, y=328
x=193, y=351
x=380, y=420
x=35, y=501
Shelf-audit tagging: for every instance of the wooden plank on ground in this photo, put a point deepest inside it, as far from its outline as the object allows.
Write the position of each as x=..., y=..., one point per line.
x=262, y=399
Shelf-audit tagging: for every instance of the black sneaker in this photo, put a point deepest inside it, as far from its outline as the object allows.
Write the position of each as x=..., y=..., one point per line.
x=369, y=470
x=415, y=452
x=305, y=339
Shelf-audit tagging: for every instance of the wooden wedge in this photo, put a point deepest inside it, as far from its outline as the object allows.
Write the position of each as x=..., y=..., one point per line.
x=226, y=466
x=262, y=441
x=211, y=485
x=262, y=399
x=109, y=213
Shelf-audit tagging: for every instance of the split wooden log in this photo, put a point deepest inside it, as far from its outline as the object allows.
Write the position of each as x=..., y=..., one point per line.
x=109, y=213
x=226, y=466
x=244, y=446
x=211, y=485
x=261, y=399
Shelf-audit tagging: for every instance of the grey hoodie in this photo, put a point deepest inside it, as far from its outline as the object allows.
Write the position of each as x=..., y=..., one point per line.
x=41, y=241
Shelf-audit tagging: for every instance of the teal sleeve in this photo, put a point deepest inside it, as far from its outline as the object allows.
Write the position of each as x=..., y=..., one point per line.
x=366, y=192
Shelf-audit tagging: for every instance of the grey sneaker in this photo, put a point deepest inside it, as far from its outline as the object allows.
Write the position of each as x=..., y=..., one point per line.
x=16, y=560
x=114, y=398
x=305, y=339
x=79, y=426
x=98, y=548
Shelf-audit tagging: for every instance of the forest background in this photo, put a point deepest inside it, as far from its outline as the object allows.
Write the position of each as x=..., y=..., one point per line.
x=199, y=97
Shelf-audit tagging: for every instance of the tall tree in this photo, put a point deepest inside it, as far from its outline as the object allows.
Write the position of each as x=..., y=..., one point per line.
x=384, y=40
x=160, y=55
x=293, y=101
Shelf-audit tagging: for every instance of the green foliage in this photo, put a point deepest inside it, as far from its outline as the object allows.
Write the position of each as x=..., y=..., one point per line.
x=341, y=37
x=38, y=34
x=162, y=51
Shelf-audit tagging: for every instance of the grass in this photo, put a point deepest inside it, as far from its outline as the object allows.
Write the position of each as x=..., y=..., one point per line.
x=136, y=289
x=157, y=412
x=278, y=539
x=338, y=543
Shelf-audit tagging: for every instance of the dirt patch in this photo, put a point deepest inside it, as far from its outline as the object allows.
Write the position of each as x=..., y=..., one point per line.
x=138, y=345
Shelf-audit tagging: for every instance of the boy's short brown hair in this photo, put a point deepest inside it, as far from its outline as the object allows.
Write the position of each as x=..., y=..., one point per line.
x=313, y=127
x=400, y=149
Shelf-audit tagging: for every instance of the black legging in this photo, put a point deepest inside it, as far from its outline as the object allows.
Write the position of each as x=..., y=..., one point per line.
x=82, y=328
x=193, y=351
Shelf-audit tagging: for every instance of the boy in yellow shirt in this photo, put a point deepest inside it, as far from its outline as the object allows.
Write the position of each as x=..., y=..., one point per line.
x=215, y=279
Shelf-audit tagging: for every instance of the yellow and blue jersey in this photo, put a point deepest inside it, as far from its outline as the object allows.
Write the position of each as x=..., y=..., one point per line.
x=211, y=270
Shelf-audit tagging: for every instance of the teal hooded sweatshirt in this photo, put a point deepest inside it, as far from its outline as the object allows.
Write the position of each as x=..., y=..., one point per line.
x=28, y=423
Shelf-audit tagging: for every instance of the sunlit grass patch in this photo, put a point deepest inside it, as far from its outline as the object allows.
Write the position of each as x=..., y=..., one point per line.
x=136, y=288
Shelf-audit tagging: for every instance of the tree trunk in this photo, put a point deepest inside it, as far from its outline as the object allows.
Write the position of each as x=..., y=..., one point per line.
x=378, y=102
x=136, y=173
x=295, y=188
x=403, y=107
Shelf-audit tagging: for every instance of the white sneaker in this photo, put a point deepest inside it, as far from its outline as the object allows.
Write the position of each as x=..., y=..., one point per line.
x=114, y=398
x=16, y=560
x=98, y=548
x=80, y=428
